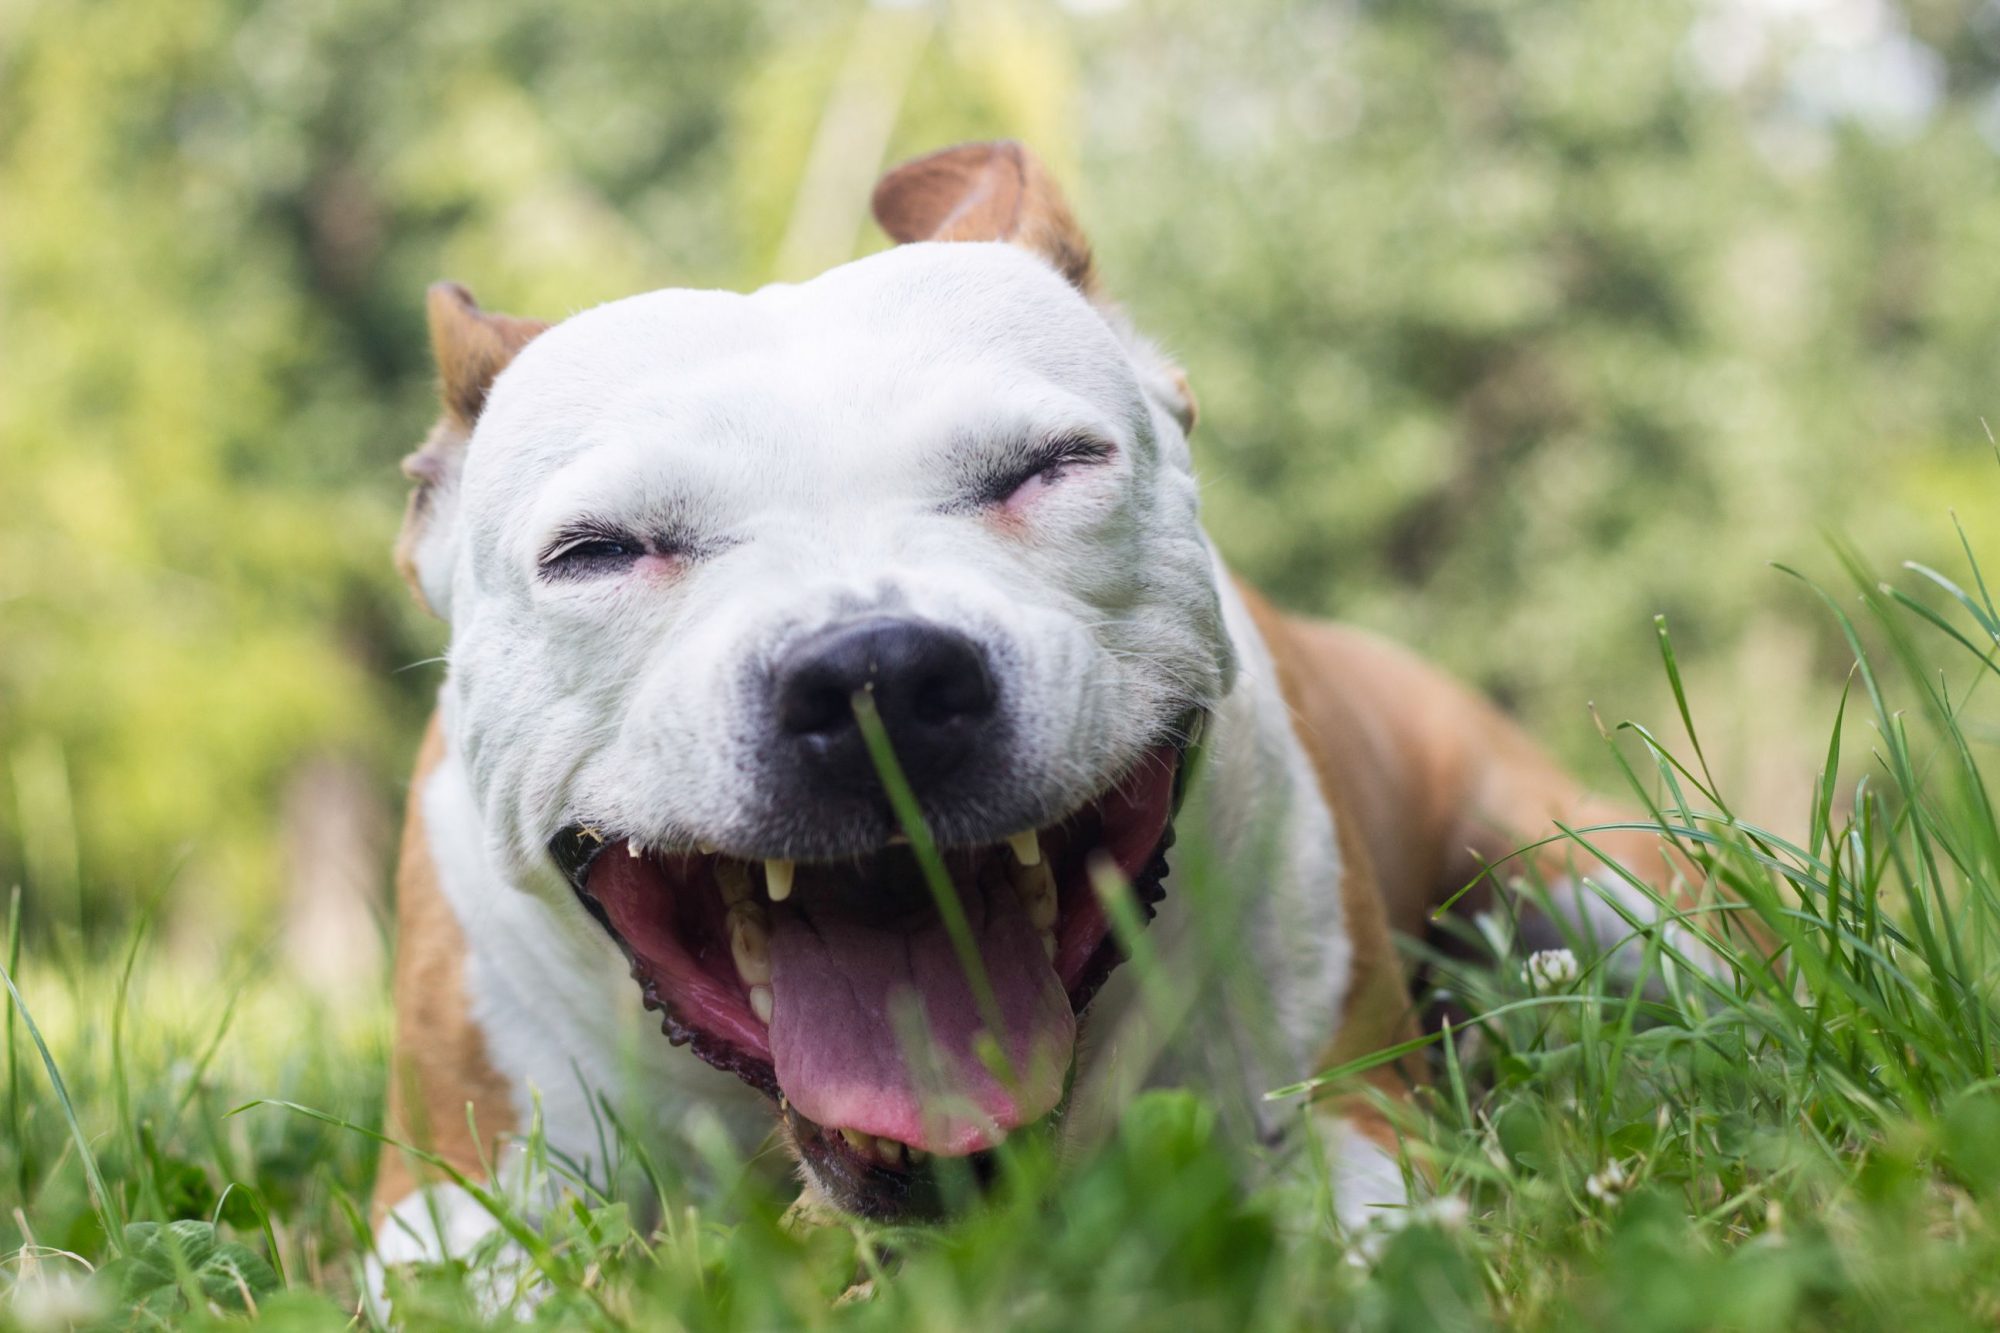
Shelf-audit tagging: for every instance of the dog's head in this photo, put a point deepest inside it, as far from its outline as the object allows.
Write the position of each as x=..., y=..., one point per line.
x=683, y=539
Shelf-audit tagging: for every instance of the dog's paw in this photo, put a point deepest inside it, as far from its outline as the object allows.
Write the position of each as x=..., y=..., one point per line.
x=445, y=1223
x=1366, y=1244
x=1368, y=1182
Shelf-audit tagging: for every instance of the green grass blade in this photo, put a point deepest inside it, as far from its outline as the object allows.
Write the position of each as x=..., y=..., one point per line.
x=910, y=816
x=102, y=1202
x=14, y=1117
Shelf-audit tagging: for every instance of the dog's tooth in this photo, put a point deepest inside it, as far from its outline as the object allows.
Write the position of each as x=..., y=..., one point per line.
x=760, y=1004
x=1027, y=847
x=1036, y=886
x=858, y=1141
x=917, y=1156
x=1049, y=944
x=778, y=879
x=889, y=1150
x=733, y=878
x=750, y=943
x=1043, y=911
x=706, y=848
x=632, y=849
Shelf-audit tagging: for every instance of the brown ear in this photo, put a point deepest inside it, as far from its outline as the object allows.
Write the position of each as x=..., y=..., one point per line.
x=985, y=192
x=471, y=347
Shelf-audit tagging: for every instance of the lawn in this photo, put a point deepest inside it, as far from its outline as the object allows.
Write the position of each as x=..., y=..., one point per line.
x=188, y=1138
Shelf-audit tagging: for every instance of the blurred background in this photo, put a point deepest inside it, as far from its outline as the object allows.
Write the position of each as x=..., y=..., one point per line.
x=1513, y=324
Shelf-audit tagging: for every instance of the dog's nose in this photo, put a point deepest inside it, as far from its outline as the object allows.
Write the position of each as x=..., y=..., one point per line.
x=930, y=685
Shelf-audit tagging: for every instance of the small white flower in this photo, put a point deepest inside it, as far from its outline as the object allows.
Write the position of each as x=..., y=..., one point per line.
x=1550, y=970
x=1608, y=1183
x=1447, y=1212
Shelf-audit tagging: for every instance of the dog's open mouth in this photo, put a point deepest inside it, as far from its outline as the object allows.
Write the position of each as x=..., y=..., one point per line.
x=837, y=986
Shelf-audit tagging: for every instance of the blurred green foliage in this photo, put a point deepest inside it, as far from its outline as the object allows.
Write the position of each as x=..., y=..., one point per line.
x=1513, y=322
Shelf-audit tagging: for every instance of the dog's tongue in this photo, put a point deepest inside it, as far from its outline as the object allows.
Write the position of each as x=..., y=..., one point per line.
x=841, y=988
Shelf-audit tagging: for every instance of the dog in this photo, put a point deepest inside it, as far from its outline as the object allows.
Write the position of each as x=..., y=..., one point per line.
x=700, y=553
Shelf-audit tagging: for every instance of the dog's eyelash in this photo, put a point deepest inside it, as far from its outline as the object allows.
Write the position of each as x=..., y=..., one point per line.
x=1046, y=457
x=587, y=550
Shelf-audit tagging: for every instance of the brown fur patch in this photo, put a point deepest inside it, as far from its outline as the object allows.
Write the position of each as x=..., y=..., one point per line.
x=985, y=192
x=1427, y=781
x=471, y=347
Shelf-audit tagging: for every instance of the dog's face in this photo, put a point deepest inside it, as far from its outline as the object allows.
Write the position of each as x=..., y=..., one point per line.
x=686, y=538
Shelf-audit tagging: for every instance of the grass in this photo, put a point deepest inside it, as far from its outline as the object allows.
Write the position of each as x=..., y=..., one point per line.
x=1817, y=1148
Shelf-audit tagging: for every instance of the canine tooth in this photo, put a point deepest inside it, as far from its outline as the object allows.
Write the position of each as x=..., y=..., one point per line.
x=733, y=878
x=857, y=1140
x=1049, y=944
x=889, y=1150
x=917, y=1156
x=632, y=849
x=760, y=1004
x=706, y=848
x=778, y=879
x=1027, y=847
x=750, y=943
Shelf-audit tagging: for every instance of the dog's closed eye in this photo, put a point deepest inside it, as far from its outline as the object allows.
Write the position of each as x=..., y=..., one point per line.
x=1037, y=463
x=588, y=550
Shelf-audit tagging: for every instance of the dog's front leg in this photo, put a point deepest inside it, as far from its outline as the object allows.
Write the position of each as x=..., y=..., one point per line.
x=1319, y=934
x=1361, y=1128
x=445, y=1097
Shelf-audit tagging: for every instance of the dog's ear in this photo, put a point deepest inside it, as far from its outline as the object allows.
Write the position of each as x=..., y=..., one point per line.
x=1001, y=192
x=985, y=192
x=471, y=348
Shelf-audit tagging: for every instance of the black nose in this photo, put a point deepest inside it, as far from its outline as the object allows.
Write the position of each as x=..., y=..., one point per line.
x=929, y=684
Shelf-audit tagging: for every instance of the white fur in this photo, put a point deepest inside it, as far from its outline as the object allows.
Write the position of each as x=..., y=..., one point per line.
x=804, y=436
x=807, y=430
x=444, y=1221
x=1368, y=1189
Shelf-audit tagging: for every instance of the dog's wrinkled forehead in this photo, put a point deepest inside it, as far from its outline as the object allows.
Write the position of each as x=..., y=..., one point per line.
x=861, y=371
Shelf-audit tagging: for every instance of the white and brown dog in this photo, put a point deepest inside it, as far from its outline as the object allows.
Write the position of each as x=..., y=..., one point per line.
x=675, y=534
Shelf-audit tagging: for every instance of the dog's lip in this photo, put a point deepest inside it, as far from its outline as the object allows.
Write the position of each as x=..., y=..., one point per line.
x=576, y=845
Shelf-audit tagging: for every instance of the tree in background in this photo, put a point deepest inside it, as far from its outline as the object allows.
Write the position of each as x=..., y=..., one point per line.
x=1513, y=324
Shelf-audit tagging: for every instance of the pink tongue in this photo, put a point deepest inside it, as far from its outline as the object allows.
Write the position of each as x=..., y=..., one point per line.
x=841, y=988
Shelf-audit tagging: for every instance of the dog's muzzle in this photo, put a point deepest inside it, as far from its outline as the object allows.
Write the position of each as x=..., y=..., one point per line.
x=892, y=1025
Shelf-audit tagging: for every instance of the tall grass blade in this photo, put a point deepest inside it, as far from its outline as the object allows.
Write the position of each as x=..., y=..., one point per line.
x=910, y=816
x=102, y=1201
